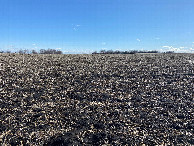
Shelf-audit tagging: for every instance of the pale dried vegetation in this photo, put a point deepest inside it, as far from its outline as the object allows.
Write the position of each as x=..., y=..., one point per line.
x=133, y=99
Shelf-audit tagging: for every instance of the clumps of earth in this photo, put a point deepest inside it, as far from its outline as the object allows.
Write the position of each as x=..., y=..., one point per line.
x=58, y=100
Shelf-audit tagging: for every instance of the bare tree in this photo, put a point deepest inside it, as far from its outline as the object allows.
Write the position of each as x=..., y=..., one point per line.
x=34, y=52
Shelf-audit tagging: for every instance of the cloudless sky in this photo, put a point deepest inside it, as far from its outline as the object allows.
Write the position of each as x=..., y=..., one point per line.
x=84, y=26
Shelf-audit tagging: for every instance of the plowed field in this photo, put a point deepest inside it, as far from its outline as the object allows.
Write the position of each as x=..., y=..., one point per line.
x=96, y=99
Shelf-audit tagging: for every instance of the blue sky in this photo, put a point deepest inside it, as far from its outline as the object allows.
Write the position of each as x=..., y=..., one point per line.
x=84, y=26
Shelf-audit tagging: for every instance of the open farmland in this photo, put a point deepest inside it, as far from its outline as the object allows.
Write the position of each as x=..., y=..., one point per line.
x=96, y=99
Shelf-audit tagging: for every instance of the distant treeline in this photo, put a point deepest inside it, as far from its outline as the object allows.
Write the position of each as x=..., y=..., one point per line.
x=54, y=51
x=127, y=52
x=42, y=51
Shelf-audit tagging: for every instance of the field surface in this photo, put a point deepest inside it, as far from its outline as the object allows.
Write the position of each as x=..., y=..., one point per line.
x=97, y=99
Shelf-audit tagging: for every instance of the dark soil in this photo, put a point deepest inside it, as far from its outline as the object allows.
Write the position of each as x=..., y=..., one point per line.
x=60, y=100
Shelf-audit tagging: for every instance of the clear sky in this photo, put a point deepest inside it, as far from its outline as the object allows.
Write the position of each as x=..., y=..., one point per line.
x=84, y=26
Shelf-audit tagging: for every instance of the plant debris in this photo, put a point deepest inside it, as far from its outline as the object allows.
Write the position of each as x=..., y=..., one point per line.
x=134, y=99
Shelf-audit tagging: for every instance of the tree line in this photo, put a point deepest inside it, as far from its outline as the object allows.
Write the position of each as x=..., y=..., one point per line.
x=127, y=52
x=54, y=51
x=42, y=51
